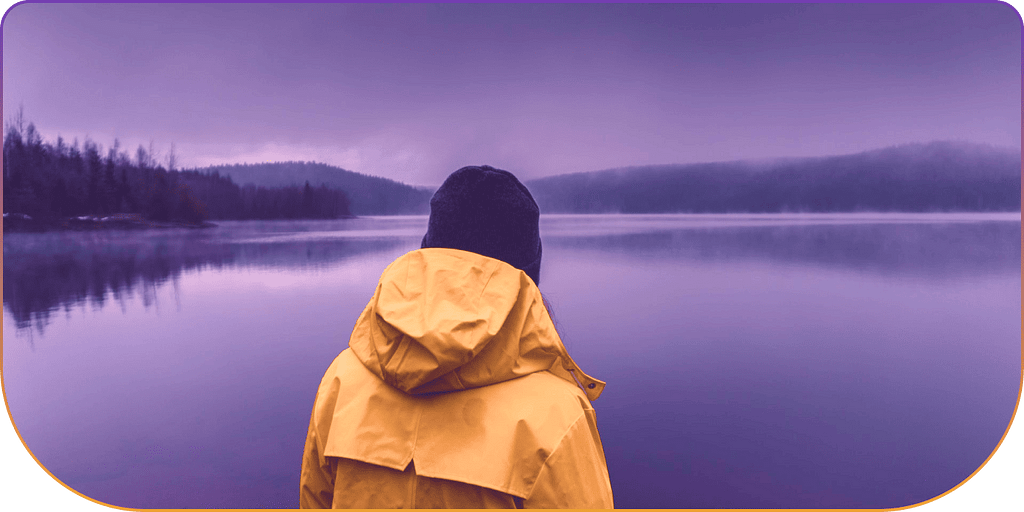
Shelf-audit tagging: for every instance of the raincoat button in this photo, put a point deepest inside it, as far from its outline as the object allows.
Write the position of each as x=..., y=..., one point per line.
x=591, y=385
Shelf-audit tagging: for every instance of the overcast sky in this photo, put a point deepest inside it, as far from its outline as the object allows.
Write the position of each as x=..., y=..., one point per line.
x=413, y=92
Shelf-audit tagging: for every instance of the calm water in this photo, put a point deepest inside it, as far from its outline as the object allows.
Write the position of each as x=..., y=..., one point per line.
x=752, y=360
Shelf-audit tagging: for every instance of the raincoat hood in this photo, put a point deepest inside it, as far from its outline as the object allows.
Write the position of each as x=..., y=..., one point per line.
x=445, y=320
x=455, y=392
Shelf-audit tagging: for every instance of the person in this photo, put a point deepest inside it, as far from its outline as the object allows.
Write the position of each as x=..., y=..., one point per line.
x=456, y=390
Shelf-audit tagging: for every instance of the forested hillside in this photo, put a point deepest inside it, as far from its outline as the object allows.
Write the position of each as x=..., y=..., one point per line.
x=57, y=179
x=368, y=195
x=52, y=180
x=940, y=176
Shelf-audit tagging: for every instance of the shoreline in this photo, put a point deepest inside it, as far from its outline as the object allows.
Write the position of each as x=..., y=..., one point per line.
x=21, y=223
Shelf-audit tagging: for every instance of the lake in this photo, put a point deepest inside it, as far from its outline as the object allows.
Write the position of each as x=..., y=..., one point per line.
x=799, y=361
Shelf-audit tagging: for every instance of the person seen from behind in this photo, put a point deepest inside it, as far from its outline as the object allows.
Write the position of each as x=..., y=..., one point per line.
x=456, y=390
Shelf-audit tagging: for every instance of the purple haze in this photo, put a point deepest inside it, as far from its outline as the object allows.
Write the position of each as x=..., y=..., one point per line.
x=412, y=92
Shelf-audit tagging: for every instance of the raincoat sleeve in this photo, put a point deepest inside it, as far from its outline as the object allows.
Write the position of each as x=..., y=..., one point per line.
x=575, y=475
x=316, y=482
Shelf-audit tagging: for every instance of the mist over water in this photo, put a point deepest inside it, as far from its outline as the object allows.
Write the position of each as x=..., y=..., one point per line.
x=845, y=360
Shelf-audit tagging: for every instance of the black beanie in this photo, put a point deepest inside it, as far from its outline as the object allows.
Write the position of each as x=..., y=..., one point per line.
x=489, y=212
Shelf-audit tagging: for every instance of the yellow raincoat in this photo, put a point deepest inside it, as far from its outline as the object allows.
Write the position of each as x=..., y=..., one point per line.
x=455, y=392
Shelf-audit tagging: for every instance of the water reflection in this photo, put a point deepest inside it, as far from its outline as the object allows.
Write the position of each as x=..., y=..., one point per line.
x=45, y=273
x=935, y=246
x=850, y=361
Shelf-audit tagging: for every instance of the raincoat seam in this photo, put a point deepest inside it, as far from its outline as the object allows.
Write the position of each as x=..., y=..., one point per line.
x=458, y=381
x=508, y=487
x=401, y=353
x=415, y=433
x=373, y=344
x=487, y=283
x=544, y=465
x=412, y=486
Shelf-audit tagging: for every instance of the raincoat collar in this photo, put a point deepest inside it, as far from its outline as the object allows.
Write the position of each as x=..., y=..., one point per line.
x=444, y=320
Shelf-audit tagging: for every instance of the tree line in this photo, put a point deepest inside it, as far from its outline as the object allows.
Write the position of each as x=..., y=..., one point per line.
x=938, y=176
x=369, y=195
x=46, y=179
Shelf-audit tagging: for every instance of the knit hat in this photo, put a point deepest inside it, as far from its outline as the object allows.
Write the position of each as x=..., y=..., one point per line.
x=489, y=212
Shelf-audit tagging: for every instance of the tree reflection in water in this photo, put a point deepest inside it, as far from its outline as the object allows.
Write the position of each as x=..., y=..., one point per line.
x=49, y=272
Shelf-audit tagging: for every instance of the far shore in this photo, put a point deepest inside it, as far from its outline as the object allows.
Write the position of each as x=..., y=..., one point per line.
x=22, y=223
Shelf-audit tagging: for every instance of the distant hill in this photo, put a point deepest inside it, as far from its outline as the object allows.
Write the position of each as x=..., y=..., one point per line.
x=939, y=176
x=368, y=195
